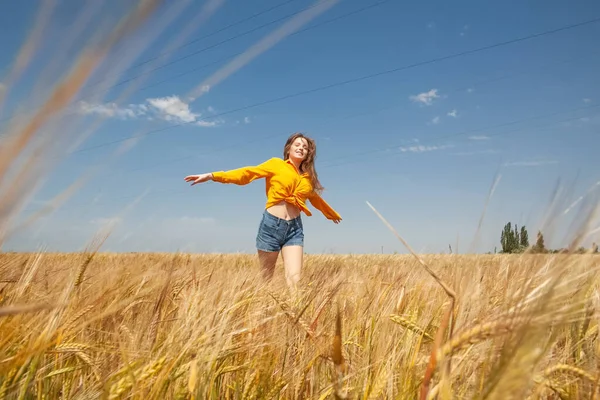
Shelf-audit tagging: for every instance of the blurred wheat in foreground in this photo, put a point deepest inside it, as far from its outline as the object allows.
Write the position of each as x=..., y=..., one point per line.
x=151, y=326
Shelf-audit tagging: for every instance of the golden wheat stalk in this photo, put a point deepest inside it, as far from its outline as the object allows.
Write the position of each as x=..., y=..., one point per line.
x=411, y=326
x=292, y=316
x=571, y=369
x=24, y=309
x=119, y=387
x=447, y=321
x=477, y=334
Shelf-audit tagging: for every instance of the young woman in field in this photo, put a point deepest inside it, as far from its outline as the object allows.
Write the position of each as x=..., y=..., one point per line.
x=289, y=183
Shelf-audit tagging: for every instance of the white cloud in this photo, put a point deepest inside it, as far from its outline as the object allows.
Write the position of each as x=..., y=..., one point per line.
x=207, y=124
x=529, y=163
x=425, y=97
x=246, y=120
x=470, y=90
x=172, y=108
x=168, y=108
x=422, y=149
x=453, y=113
x=435, y=120
x=479, y=137
x=112, y=110
x=586, y=100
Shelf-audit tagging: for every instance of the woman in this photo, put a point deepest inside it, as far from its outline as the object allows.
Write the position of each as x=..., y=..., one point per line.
x=289, y=182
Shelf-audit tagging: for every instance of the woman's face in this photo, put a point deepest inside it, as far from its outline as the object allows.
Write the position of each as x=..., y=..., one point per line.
x=298, y=150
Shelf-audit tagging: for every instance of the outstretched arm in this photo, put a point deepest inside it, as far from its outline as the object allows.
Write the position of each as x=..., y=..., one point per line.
x=240, y=176
x=245, y=175
x=325, y=208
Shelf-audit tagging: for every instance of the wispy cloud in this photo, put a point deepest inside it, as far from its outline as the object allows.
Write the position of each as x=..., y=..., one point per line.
x=587, y=101
x=246, y=120
x=425, y=98
x=453, y=113
x=582, y=122
x=479, y=137
x=464, y=30
x=113, y=110
x=532, y=163
x=476, y=152
x=423, y=149
x=435, y=120
x=206, y=124
x=168, y=108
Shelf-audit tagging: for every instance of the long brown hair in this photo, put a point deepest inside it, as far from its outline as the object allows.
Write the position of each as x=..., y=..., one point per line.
x=308, y=165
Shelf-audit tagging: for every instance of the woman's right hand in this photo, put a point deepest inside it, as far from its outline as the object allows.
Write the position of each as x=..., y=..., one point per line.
x=195, y=179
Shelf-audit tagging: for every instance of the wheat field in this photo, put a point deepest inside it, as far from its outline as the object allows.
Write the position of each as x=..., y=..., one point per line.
x=96, y=325
x=179, y=326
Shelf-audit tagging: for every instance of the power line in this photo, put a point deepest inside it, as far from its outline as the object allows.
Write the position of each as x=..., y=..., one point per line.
x=354, y=80
x=239, y=35
x=258, y=14
x=354, y=161
x=552, y=114
x=471, y=51
x=314, y=26
x=438, y=138
x=353, y=115
x=348, y=14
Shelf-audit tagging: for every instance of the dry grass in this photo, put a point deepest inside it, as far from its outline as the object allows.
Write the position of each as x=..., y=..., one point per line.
x=205, y=326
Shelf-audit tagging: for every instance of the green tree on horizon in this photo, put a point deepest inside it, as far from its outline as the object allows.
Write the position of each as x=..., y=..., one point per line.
x=514, y=240
x=524, y=240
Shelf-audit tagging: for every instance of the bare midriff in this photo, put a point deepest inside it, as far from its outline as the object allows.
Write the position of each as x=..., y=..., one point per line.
x=284, y=210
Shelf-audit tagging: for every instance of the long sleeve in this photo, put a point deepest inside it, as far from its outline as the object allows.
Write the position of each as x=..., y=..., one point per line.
x=321, y=205
x=245, y=175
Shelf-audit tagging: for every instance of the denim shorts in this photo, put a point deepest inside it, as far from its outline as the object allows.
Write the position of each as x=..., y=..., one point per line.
x=275, y=233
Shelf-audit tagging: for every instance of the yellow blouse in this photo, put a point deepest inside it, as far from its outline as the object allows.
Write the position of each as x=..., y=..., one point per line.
x=283, y=182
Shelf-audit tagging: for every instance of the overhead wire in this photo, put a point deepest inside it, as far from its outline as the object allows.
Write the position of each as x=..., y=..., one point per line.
x=380, y=73
x=463, y=133
x=222, y=29
x=431, y=139
x=213, y=46
x=224, y=41
x=353, y=115
x=347, y=81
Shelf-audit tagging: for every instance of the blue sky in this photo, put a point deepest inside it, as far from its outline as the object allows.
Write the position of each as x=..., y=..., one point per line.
x=423, y=144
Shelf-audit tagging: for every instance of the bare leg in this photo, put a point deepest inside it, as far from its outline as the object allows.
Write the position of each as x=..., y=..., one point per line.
x=292, y=262
x=267, y=260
